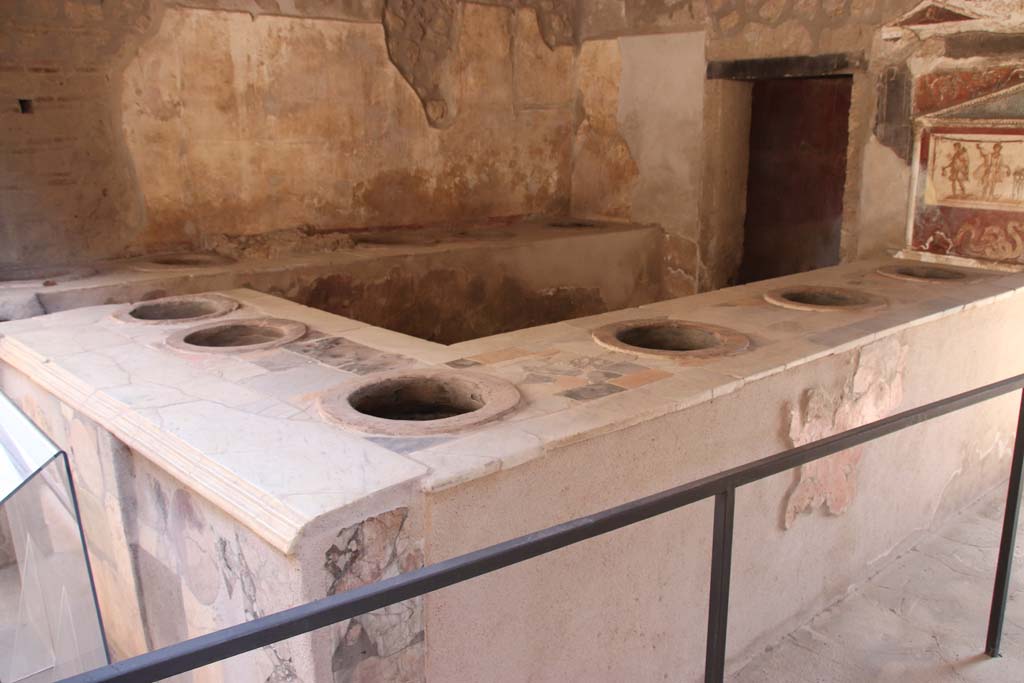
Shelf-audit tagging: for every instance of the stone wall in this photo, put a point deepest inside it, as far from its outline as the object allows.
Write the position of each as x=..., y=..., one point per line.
x=66, y=184
x=138, y=125
x=244, y=126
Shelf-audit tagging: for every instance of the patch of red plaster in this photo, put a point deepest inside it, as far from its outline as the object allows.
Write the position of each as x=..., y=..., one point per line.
x=873, y=390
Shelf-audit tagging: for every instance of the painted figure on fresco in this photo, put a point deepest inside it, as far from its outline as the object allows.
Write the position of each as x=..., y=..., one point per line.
x=991, y=171
x=958, y=170
x=1018, y=184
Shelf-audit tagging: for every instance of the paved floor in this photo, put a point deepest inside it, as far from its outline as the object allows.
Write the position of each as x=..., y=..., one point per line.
x=921, y=620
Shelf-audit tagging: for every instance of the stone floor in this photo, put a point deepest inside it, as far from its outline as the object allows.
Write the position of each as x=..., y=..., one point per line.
x=922, y=619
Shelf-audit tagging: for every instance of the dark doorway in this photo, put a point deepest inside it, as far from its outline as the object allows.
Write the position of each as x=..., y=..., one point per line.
x=799, y=129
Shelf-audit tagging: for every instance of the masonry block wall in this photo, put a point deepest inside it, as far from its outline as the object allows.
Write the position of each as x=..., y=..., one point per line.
x=132, y=126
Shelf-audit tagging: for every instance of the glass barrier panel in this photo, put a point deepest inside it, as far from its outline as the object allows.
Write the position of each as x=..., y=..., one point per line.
x=50, y=626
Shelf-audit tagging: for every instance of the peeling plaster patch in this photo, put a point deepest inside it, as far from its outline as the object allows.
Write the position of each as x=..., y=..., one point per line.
x=386, y=644
x=421, y=38
x=873, y=390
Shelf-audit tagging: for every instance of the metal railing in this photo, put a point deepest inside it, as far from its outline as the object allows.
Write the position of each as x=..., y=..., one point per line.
x=219, y=645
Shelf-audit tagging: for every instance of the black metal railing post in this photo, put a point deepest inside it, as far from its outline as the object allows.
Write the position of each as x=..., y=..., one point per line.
x=1001, y=590
x=721, y=567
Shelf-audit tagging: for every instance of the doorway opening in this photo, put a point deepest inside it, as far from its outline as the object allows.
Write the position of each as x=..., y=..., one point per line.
x=799, y=131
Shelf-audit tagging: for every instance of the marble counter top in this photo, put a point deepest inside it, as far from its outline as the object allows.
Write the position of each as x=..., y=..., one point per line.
x=243, y=430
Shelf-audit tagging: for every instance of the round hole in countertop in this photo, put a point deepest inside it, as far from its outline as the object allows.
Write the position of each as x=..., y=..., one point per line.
x=419, y=402
x=179, y=309
x=814, y=298
x=238, y=335
x=669, y=336
x=922, y=272
x=678, y=339
x=420, y=399
x=231, y=335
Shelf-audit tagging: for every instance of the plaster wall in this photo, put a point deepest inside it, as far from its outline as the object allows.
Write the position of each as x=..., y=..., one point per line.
x=639, y=142
x=66, y=185
x=727, y=112
x=632, y=605
x=153, y=124
x=242, y=126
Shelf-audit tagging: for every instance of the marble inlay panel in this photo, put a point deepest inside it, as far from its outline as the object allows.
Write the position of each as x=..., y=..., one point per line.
x=353, y=357
x=388, y=644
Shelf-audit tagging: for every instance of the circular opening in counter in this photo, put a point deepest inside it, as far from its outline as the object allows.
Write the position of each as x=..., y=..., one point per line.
x=412, y=403
x=41, y=275
x=178, y=309
x=175, y=261
x=238, y=335
x=423, y=399
x=824, y=299
x=915, y=272
x=671, y=338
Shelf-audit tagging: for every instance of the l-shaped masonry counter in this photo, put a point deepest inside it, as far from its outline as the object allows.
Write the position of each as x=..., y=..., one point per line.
x=221, y=483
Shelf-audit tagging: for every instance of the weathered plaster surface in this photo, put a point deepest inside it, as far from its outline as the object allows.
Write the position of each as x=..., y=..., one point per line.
x=771, y=28
x=246, y=117
x=611, y=18
x=727, y=113
x=66, y=186
x=232, y=131
x=639, y=142
x=872, y=391
x=604, y=171
x=343, y=10
x=882, y=211
x=253, y=116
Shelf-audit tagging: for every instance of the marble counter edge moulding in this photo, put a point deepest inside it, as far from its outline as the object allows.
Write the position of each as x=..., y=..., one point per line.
x=574, y=390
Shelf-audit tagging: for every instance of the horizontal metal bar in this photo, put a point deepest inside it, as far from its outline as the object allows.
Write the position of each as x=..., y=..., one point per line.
x=234, y=640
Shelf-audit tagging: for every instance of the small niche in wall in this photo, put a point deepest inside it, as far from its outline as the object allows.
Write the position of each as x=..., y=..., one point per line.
x=26, y=106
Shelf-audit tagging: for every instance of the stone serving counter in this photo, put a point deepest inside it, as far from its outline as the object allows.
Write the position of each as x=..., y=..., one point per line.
x=265, y=454
x=447, y=283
